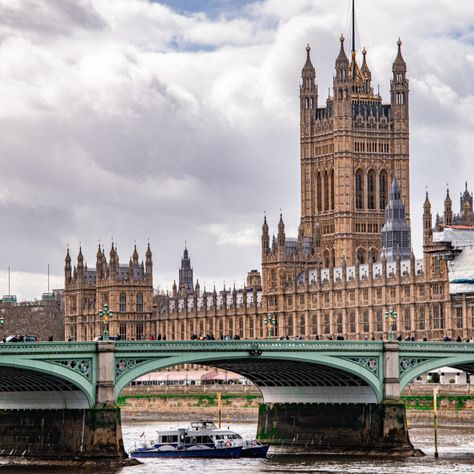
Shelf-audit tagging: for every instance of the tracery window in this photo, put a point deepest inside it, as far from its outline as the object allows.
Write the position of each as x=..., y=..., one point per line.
x=123, y=302
x=371, y=190
x=383, y=189
x=319, y=192
x=139, y=304
x=359, y=185
x=326, y=191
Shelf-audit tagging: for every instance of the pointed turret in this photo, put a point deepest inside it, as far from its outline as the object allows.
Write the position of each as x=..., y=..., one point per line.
x=308, y=90
x=186, y=283
x=281, y=233
x=265, y=237
x=197, y=289
x=113, y=262
x=80, y=265
x=175, y=289
x=135, y=255
x=342, y=85
x=67, y=268
x=149, y=263
x=98, y=265
x=399, y=89
x=427, y=221
x=448, y=210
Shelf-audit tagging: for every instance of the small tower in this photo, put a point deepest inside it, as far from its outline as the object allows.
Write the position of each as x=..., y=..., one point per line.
x=67, y=268
x=427, y=222
x=80, y=266
x=98, y=265
x=399, y=86
x=135, y=255
x=149, y=263
x=395, y=232
x=281, y=233
x=448, y=210
x=265, y=238
x=113, y=262
x=186, y=284
x=342, y=84
x=308, y=93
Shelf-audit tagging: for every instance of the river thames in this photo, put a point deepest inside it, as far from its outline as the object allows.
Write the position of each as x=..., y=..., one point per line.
x=456, y=456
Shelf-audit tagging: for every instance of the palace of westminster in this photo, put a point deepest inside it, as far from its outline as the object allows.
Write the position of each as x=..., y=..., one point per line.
x=352, y=258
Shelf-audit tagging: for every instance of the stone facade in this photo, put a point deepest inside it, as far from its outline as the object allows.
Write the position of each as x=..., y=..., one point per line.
x=44, y=318
x=127, y=289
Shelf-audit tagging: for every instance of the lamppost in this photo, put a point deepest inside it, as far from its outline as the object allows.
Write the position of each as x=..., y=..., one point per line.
x=105, y=314
x=270, y=322
x=391, y=316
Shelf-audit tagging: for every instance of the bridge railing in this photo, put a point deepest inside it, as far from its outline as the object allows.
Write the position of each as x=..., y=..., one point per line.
x=247, y=345
x=47, y=347
x=436, y=346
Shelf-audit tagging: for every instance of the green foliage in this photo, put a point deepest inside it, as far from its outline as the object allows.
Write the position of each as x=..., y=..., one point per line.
x=425, y=402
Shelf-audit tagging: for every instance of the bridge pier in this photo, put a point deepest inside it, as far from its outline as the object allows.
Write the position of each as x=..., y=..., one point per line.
x=78, y=434
x=355, y=427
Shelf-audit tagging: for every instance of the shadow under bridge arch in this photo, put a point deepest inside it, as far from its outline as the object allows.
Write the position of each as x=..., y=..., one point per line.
x=281, y=377
x=34, y=384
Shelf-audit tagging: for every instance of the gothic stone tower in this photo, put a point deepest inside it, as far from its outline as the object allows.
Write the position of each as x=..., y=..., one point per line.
x=351, y=149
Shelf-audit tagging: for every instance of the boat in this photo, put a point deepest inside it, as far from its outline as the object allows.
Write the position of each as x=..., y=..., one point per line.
x=202, y=439
x=185, y=443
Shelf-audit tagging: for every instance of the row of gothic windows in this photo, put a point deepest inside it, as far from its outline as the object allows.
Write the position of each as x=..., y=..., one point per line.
x=325, y=191
x=123, y=302
x=371, y=181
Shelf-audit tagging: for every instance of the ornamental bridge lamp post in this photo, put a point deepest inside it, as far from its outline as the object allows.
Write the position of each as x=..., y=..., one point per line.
x=270, y=322
x=391, y=317
x=105, y=314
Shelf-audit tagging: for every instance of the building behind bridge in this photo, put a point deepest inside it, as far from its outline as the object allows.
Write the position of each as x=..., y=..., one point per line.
x=352, y=258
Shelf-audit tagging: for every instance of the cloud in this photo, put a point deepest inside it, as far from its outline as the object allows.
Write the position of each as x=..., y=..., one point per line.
x=135, y=119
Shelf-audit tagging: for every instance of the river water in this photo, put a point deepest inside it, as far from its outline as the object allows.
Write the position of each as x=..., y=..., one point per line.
x=456, y=455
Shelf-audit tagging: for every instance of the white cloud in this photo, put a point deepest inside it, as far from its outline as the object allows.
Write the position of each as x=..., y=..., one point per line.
x=133, y=120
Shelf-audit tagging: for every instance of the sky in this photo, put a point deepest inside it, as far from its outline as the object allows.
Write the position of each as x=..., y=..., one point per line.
x=174, y=121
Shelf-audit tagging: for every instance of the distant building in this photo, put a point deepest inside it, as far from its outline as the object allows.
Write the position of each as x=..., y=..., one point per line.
x=126, y=289
x=186, y=284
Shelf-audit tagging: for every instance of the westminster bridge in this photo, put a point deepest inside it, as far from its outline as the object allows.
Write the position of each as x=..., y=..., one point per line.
x=58, y=399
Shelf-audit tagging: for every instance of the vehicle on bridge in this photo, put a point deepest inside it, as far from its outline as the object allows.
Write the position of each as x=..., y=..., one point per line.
x=19, y=338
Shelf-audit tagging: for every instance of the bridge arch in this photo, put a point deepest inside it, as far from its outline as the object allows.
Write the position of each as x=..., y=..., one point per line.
x=412, y=367
x=27, y=383
x=280, y=376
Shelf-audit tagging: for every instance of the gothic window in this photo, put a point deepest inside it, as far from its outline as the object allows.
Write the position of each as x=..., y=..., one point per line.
x=333, y=257
x=407, y=319
x=339, y=328
x=319, y=191
x=361, y=257
x=379, y=321
x=421, y=319
x=365, y=322
x=352, y=322
x=289, y=325
x=123, y=302
x=326, y=324
x=332, y=189
x=139, y=302
x=438, y=317
x=326, y=260
x=373, y=255
x=182, y=335
x=459, y=317
x=302, y=325
x=123, y=331
x=383, y=189
x=371, y=190
x=359, y=188
x=139, y=332
x=326, y=191
x=241, y=327
x=221, y=327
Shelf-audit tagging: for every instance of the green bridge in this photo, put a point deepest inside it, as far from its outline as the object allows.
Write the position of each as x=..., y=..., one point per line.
x=57, y=400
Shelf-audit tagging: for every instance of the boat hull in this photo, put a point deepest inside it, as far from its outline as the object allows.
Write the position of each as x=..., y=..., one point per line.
x=220, y=453
x=255, y=452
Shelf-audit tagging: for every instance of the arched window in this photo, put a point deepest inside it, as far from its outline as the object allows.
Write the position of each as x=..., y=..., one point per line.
x=326, y=259
x=123, y=302
x=326, y=191
x=359, y=190
x=373, y=255
x=371, y=201
x=319, y=192
x=361, y=257
x=302, y=326
x=139, y=302
x=332, y=189
x=383, y=189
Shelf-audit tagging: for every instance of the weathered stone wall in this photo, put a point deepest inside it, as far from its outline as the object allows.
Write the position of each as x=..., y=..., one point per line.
x=39, y=318
x=353, y=427
x=92, y=434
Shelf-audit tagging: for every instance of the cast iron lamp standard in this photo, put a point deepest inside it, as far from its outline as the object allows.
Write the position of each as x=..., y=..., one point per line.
x=105, y=314
x=391, y=317
x=270, y=323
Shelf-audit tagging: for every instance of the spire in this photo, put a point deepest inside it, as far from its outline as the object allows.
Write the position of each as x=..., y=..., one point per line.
x=399, y=65
x=265, y=236
x=427, y=222
x=353, y=30
x=448, y=209
x=342, y=58
x=80, y=258
x=281, y=232
x=135, y=254
x=308, y=66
